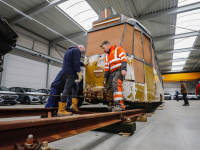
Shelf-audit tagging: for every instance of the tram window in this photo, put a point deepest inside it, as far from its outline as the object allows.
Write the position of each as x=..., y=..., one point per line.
x=138, y=44
x=139, y=71
x=146, y=46
x=128, y=39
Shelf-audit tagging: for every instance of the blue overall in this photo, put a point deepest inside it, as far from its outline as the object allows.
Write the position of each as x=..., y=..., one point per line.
x=57, y=87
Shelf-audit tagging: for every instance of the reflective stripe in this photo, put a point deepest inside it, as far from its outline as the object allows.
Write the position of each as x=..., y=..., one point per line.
x=118, y=98
x=114, y=60
x=107, y=64
x=117, y=93
x=122, y=54
x=106, y=67
x=123, y=58
x=107, y=58
x=116, y=52
x=115, y=66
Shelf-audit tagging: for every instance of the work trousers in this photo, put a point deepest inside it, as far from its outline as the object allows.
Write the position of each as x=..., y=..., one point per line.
x=53, y=100
x=115, y=83
x=177, y=98
x=185, y=98
x=70, y=87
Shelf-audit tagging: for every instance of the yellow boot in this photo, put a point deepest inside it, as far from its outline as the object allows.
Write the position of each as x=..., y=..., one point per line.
x=74, y=107
x=62, y=111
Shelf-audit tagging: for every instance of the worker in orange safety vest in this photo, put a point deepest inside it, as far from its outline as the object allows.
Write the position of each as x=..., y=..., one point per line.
x=115, y=69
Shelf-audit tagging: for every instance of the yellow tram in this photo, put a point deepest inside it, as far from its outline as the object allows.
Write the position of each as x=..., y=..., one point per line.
x=143, y=82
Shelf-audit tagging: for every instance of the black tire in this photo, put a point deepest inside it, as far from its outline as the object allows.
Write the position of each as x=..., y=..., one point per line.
x=26, y=100
x=21, y=102
x=12, y=103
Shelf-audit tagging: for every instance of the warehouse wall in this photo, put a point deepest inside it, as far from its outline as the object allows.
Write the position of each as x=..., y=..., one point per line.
x=170, y=87
x=24, y=69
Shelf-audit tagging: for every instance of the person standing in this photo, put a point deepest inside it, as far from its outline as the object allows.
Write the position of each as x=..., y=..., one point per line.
x=70, y=72
x=115, y=69
x=176, y=94
x=198, y=89
x=184, y=93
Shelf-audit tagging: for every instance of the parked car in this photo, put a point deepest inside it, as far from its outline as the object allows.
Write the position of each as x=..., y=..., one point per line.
x=180, y=96
x=192, y=96
x=6, y=98
x=45, y=91
x=28, y=99
x=167, y=96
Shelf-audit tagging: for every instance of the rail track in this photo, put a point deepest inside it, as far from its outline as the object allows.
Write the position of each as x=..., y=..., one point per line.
x=55, y=128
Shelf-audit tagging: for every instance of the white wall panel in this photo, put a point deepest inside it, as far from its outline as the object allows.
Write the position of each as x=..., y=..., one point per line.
x=53, y=73
x=25, y=72
x=26, y=39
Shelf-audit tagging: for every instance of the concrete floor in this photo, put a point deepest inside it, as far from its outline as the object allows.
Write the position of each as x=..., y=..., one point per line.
x=174, y=128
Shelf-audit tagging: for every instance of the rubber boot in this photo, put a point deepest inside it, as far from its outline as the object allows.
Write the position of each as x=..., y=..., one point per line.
x=62, y=111
x=118, y=106
x=74, y=107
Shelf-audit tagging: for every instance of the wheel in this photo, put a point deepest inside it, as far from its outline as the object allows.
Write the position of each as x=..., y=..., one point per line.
x=12, y=103
x=26, y=100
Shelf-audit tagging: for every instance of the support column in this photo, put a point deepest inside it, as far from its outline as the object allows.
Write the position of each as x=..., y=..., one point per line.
x=48, y=84
x=3, y=73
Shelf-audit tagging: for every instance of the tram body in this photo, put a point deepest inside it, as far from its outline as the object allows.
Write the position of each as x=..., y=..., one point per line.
x=143, y=82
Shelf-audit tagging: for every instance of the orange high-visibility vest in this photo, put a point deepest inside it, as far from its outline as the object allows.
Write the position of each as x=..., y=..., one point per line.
x=114, y=59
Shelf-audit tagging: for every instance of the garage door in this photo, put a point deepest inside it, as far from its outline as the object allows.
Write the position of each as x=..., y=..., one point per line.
x=21, y=71
x=53, y=73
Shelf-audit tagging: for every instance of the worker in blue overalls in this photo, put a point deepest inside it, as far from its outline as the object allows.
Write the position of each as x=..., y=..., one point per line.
x=57, y=87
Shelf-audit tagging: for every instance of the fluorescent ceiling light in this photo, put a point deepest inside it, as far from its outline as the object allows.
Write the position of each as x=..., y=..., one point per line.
x=184, y=42
x=80, y=11
x=181, y=55
x=177, y=68
x=186, y=2
x=178, y=63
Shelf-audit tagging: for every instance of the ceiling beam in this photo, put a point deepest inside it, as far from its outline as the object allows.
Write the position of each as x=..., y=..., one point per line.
x=36, y=10
x=180, y=71
x=177, y=36
x=172, y=11
x=177, y=66
x=72, y=36
x=177, y=50
x=180, y=59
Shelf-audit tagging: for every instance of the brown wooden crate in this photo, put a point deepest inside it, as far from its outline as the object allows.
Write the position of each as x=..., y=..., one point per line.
x=102, y=14
x=128, y=40
x=138, y=44
x=147, y=52
x=95, y=39
x=139, y=71
x=104, y=24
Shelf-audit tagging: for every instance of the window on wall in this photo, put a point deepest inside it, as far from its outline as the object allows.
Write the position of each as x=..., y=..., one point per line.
x=147, y=51
x=138, y=51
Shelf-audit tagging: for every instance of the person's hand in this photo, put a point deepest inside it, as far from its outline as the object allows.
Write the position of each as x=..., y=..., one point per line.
x=80, y=76
x=123, y=73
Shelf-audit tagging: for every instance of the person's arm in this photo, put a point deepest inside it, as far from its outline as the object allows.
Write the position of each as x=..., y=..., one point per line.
x=106, y=68
x=123, y=57
x=76, y=59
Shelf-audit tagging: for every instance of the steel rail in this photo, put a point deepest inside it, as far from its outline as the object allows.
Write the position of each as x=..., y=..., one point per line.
x=56, y=128
x=24, y=112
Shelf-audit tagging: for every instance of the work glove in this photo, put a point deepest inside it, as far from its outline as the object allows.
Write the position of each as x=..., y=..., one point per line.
x=80, y=76
x=104, y=82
